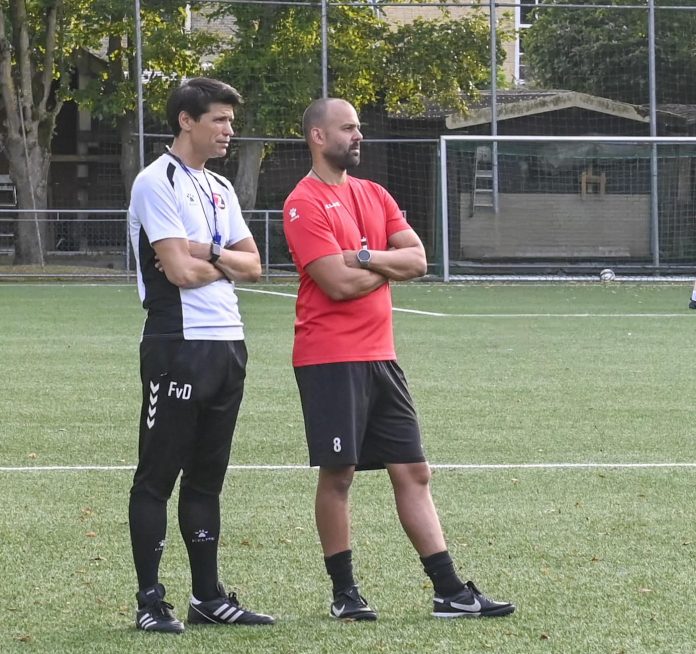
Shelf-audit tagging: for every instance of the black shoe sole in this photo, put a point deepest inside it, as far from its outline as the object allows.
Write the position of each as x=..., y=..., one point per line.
x=494, y=613
x=198, y=618
x=358, y=617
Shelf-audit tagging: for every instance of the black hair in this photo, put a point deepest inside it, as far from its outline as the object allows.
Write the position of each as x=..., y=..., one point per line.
x=195, y=95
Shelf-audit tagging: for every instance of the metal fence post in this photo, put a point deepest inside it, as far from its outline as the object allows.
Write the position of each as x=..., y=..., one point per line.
x=267, y=257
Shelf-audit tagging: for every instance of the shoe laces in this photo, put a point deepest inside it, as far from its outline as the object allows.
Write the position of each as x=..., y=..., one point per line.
x=232, y=597
x=472, y=587
x=352, y=594
x=160, y=606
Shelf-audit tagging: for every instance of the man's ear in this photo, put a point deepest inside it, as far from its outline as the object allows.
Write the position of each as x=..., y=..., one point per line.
x=185, y=121
x=317, y=135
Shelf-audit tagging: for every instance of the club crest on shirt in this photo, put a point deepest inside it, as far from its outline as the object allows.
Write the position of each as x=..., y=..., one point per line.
x=191, y=198
x=219, y=201
x=294, y=214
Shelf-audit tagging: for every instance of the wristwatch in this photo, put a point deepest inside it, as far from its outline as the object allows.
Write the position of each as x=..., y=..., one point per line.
x=215, y=252
x=364, y=257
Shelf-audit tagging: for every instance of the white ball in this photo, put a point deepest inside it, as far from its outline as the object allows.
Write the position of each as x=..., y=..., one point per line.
x=607, y=275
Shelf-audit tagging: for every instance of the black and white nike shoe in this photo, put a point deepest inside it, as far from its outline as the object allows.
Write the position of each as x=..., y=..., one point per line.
x=224, y=609
x=154, y=614
x=692, y=304
x=349, y=604
x=470, y=603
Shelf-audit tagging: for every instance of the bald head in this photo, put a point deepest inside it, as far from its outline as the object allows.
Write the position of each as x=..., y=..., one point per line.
x=332, y=130
x=317, y=113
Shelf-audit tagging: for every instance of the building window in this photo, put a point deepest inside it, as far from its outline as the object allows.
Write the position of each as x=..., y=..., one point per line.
x=523, y=20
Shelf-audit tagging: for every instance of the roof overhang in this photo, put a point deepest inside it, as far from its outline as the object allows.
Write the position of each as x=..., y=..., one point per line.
x=543, y=102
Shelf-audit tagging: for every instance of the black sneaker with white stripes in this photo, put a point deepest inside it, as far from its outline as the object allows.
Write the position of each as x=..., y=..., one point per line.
x=349, y=604
x=470, y=603
x=154, y=614
x=224, y=609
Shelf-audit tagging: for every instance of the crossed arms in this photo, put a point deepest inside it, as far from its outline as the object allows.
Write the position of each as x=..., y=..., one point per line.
x=341, y=277
x=185, y=263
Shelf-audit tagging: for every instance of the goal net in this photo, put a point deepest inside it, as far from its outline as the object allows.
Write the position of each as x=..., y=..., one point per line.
x=567, y=205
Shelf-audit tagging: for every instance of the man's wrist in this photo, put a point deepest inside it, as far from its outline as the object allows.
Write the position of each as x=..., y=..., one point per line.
x=215, y=252
x=364, y=257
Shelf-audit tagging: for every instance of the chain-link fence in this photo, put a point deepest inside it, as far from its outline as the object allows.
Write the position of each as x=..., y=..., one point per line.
x=551, y=70
x=85, y=244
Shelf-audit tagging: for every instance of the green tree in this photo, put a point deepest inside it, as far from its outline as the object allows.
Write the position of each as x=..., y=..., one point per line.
x=41, y=42
x=605, y=51
x=274, y=59
x=35, y=52
x=170, y=51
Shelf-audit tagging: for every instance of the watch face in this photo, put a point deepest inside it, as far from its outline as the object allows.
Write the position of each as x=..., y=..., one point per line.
x=364, y=256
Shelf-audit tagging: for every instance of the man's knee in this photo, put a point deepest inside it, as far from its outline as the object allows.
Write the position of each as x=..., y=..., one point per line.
x=336, y=480
x=410, y=474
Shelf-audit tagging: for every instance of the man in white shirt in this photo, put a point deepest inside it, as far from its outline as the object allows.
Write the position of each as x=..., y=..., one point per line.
x=191, y=244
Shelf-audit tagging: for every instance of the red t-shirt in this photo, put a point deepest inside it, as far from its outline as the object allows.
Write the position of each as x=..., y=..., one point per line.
x=320, y=220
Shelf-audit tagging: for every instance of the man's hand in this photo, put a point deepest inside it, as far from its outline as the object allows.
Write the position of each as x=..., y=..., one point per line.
x=196, y=250
x=350, y=258
x=199, y=250
x=174, y=259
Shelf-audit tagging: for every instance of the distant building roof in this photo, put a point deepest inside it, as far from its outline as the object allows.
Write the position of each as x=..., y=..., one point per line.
x=516, y=104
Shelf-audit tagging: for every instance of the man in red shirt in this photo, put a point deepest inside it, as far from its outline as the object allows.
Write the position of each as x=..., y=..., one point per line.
x=348, y=239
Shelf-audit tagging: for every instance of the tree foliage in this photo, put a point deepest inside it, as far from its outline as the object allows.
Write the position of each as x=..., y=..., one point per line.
x=273, y=58
x=169, y=53
x=605, y=51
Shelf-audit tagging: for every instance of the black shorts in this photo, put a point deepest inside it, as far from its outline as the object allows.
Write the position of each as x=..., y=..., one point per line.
x=192, y=391
x=358, y=413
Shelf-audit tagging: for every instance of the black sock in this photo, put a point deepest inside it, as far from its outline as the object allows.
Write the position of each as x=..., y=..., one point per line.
x=147, y=519
x=340, y=569
x=199, y=522
x=440, y=568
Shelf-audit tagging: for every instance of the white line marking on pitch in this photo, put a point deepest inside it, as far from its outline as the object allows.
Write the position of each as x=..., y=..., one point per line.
x=501, y=315
x=293, y=295
x=560, y=315
x=438, y=314
x=435, y=466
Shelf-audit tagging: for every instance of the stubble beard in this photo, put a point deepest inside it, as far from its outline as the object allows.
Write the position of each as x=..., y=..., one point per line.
x=343, y=160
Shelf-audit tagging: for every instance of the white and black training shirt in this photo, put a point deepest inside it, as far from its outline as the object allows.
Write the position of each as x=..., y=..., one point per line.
x=166, y=202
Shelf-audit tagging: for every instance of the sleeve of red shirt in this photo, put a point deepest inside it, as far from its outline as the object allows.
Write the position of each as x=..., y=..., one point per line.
x=307, y=231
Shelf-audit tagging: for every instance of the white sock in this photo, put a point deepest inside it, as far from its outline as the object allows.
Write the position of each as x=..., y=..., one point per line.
x=693, y=295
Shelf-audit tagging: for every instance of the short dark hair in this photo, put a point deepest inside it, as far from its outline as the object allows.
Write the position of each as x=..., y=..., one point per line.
x=314, y=115
x=195, y=95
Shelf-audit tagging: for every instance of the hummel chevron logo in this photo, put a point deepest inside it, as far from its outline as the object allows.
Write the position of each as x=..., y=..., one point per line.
x=152, y=409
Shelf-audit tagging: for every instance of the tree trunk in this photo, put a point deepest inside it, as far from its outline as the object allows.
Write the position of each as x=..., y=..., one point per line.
x=26, y=92
x=32, y=193
x=130, y=156
x=246, y=183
